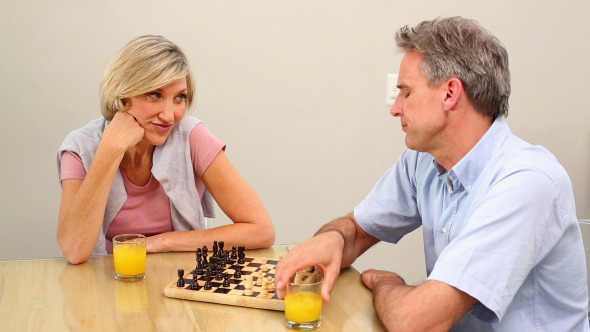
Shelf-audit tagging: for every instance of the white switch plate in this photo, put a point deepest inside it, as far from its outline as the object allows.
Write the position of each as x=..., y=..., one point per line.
x=392, y=90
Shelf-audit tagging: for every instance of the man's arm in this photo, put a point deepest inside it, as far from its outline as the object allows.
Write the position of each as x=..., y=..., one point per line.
x=356, y=240
x=432, y=306
x=336, y=245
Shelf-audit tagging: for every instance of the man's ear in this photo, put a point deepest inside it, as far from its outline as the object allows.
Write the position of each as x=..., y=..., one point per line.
x=453, y=88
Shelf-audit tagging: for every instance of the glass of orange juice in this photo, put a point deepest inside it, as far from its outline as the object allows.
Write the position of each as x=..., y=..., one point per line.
x=303, y=303
x=130, y=256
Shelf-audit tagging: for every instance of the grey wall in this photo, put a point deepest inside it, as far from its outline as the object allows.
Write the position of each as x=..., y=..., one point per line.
x=295, y=87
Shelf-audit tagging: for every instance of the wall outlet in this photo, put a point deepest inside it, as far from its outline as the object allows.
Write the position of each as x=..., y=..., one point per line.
x=392, y=90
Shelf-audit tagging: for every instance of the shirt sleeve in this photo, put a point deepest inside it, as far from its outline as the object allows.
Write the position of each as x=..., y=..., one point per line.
x=204, y=148
x=508, y=233
x=390, y=210
x=72, y=166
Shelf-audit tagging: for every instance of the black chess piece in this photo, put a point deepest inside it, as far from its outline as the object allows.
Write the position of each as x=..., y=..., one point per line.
x=225, y=280
x=241, y=257
x=218, y=275
x=238, y=272
x=180, y=282
x=213, y=264
x=234, y=253
x=221, y=245
x=215, y=248
x=208, y=284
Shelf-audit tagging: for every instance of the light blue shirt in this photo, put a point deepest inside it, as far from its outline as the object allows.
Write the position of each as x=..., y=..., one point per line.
x=500, y=225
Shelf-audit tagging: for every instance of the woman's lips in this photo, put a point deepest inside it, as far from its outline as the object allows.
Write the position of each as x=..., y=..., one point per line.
x=163, y=128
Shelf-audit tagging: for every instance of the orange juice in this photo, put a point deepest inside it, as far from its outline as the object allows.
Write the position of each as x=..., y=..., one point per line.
x=129, y=259
x=303, y=307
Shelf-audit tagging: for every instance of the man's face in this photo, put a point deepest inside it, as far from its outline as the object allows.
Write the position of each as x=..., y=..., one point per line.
x=419, y=106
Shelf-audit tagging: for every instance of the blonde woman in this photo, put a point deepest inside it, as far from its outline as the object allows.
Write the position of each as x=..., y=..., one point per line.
x=146, y=167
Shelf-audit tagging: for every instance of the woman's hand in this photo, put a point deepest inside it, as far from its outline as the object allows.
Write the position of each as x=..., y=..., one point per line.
x=123, y=131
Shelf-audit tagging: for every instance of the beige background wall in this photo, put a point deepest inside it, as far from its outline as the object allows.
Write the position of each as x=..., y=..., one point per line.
x=295, y=87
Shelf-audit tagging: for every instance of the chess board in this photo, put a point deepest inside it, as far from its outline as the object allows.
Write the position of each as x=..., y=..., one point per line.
x=234, y=294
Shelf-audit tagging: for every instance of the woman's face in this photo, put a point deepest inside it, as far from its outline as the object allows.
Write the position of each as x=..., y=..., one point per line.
x=158, y=111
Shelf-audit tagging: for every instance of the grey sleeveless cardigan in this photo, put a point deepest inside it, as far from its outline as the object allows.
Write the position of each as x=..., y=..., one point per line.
x=172, y=167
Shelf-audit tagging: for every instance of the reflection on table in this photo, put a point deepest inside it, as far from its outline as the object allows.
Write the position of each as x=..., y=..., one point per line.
x=53, y=295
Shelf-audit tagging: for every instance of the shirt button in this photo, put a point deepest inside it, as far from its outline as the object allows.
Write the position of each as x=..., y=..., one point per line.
x=445, y=230
x=468, y=188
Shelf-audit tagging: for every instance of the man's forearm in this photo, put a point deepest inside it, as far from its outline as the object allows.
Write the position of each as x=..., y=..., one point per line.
x=356, y=241
x=432, y=306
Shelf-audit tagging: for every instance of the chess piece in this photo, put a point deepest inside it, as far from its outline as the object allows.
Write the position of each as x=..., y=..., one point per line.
x=218, y=275
x=264, y=291
x=270, y=284
x=241, y=255
x=238, y=272
x=259, y=279
x=249, y=286
x=215, y=248
x=234, y=252
x=180, y=282
x=264, y=267
x=208, y=284
x=221, y=245
x=194, y=285
x=225, y=279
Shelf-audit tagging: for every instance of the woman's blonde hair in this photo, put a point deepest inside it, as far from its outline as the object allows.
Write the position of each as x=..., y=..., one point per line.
x=146, y=63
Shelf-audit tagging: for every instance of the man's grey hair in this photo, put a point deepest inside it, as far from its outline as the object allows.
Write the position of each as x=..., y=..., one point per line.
x=459, y=47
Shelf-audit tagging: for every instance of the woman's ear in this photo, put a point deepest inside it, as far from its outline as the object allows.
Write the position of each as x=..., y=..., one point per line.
x=453, y=88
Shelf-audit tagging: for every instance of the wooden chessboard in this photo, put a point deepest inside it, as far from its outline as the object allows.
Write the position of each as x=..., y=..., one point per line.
x=234, y=294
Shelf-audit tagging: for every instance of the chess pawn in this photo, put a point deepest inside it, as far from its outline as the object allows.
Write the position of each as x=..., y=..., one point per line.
x=259, y=279
x=264, y=267
x=238, y=272
x=270, y=285
x=280, y=257
x=234, y=252
x=264, y=291
x=180, y=282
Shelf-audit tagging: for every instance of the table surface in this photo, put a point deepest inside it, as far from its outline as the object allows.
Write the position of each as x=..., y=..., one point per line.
x=53, y=295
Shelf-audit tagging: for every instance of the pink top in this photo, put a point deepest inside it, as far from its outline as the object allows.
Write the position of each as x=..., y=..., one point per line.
x=147, y=209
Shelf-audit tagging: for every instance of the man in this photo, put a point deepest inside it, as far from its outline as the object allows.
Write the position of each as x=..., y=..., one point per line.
x=503, y=248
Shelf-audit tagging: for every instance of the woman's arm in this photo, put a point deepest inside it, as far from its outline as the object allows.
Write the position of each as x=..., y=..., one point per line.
x=252, y=225
x=83, y=202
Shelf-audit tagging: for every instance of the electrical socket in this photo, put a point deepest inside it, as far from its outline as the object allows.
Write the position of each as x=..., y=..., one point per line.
x=392, y=90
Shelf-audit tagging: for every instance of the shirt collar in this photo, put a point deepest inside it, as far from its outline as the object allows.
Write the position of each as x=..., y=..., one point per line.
x=468, y=169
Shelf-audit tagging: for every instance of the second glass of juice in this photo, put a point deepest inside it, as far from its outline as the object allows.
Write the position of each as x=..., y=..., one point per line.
x=130, y=256
x=303, y=304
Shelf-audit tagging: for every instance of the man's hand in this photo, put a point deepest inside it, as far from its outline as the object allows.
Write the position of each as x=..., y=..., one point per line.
x=324, y=251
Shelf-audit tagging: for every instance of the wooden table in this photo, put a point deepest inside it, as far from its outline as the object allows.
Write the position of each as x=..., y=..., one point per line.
x=53, y=295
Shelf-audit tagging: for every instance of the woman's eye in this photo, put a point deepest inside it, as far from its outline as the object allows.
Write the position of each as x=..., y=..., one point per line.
x=154, y=95
x=181, y=97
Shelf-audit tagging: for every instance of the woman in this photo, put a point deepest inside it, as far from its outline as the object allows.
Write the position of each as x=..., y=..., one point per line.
x=145, y=167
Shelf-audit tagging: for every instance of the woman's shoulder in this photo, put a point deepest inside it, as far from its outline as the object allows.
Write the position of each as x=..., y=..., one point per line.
x=188, y=123
x=90, y=134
